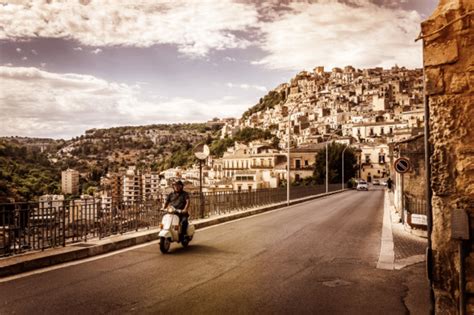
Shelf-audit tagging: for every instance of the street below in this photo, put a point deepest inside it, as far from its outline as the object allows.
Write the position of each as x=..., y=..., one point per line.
x=317, y=257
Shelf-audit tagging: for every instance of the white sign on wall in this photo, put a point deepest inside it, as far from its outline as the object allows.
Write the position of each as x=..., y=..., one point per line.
x=419, y=219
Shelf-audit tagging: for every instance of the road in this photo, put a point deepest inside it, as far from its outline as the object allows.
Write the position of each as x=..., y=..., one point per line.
x=318, y=257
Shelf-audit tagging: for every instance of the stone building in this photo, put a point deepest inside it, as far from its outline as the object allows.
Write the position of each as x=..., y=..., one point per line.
x=70, y=182
x=448, y=38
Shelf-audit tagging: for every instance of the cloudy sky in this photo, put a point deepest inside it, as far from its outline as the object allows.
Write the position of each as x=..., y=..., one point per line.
x=68, y=66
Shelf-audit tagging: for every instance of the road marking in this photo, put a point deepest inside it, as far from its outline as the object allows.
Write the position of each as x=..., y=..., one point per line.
x=387, y=253
x=86, y=260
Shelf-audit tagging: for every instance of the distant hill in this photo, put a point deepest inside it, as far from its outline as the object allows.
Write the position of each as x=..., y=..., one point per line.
x=25, y=171
x=31, y=167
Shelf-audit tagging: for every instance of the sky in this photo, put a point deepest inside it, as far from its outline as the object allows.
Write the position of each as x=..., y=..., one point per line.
x=69, y=66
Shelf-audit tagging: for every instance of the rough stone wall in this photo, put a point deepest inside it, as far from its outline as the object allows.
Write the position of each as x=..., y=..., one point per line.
x=414, y=180
x=449, y=70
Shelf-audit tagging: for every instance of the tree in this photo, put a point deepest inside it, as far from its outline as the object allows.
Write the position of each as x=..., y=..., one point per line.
x=335, y=164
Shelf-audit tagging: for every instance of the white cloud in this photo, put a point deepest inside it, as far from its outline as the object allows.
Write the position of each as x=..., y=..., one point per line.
x=332, y=33
x=196, y=27
x=43, y=64
x=34, y=52
x=18, y=50
x=96, y=51
x=230, y=59
x=246, y=86
x=43, y=104
x=77, y=48
x=24, y=58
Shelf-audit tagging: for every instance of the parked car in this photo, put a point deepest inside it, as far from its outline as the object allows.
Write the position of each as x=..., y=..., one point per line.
x=383, y=182
x=376, y=182
x=362, y=185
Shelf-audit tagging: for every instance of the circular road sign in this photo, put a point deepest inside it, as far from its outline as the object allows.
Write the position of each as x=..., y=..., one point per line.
x=402, y=165
x=201, y=151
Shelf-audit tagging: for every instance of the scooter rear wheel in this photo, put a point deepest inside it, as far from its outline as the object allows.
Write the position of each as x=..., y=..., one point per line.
x=185, y=241
x=164, y=245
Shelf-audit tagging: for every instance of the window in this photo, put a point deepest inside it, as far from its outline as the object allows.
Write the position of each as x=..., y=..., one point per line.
x=298, y=164
x=367, y=158
x=381, y=158
x=306, y=163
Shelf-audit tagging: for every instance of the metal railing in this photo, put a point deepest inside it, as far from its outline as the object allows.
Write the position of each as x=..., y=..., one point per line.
x=40, y=225
x=415, y=205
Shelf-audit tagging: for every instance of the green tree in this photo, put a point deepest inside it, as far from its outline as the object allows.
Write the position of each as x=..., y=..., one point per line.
x=218, y=147
x=248, y=134
x=335, y=164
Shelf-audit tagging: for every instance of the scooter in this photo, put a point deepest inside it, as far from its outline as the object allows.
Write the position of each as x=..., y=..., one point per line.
x=170, y=230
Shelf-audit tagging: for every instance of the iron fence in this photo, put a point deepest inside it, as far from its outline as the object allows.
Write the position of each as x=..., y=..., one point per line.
x=415, y=205
x=40, y=225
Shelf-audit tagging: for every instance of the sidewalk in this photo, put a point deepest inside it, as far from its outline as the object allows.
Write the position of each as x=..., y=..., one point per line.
x=93, y=247
x=401, y=249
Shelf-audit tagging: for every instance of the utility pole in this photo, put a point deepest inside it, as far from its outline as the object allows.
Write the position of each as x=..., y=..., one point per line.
x=288, y=181
x=342, y=187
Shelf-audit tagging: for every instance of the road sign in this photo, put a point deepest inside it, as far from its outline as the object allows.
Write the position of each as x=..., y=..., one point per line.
x=402, y=165
x=419, y=219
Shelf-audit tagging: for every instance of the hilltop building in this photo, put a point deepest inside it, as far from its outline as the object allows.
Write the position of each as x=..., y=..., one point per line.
x=70, y=182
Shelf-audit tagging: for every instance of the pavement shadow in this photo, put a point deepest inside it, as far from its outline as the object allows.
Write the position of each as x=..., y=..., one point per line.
x=194, y=249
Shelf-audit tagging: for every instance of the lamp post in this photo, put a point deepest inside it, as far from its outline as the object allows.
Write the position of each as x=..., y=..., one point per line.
x=327, y=166
x=327, y=169
x=342, y=184
x=288, y=180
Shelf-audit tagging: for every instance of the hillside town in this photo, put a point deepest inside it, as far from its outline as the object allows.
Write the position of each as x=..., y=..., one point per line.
x=369, y=110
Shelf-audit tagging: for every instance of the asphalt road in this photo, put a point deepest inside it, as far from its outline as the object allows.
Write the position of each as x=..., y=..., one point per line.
x=318, y=257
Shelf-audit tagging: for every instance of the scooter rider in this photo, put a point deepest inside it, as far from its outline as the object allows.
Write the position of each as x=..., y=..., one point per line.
x=179, y=199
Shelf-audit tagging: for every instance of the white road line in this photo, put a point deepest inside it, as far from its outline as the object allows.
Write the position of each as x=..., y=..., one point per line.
x=86, y=260
x=387, y=253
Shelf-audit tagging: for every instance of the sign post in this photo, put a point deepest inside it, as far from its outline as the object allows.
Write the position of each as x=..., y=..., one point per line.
x=201, y=152
x=402, y=165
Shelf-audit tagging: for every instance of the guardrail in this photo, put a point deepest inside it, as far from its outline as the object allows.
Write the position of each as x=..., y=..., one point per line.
x=40, y=225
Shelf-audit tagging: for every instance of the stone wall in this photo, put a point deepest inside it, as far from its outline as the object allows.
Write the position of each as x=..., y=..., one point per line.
x=449, y=74
x=413, y=181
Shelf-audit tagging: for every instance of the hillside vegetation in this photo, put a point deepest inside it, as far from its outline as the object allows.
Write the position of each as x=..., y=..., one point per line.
x=270, y=100
x=32, y=167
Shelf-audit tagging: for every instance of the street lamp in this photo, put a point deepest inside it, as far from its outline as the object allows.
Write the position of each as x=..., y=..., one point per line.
x=342, y=184
x=288, y=158
x=327, y=166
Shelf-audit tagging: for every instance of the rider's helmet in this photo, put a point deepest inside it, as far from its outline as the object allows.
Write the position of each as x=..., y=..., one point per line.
x=178, y=183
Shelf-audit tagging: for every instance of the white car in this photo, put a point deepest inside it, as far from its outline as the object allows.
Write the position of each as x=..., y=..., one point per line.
x=362, y=185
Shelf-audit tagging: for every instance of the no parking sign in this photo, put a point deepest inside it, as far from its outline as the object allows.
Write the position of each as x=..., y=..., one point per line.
x=402, y=165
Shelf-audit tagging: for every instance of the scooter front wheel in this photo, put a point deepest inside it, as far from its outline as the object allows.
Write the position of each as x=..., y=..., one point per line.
x=164, y=245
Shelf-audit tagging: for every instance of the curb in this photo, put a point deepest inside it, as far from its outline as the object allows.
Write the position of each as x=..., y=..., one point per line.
x=387, y=255
x=35, y=260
